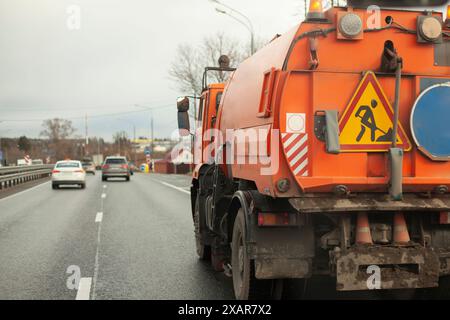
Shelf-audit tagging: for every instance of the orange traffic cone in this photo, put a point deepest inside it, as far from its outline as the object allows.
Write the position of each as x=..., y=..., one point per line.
x=363, y=235
x=401, y=234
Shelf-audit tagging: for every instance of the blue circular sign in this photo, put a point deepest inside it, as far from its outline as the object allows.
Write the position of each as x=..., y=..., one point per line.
x=430, y=122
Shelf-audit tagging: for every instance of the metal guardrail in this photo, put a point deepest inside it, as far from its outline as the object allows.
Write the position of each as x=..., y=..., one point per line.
x=11, y=176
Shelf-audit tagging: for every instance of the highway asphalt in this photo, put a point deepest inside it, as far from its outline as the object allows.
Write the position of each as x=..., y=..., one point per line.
x=117, y=240
x=140, y=247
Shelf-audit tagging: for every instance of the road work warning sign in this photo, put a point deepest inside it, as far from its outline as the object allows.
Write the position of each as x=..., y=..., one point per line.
x=367, y=122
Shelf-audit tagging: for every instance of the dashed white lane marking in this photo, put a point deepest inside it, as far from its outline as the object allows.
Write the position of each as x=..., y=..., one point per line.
x=22, y=192
x=96, y=264
x=99, y=217
x=84, y=289
x=174, y=187
x=103, y=195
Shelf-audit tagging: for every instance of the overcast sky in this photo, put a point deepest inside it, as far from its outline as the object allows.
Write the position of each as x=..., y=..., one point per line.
x=118, y=58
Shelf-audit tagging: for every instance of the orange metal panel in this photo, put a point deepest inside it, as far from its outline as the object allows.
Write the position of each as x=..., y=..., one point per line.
x=303, y=92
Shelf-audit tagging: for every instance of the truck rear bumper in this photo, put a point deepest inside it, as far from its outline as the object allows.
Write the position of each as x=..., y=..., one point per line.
x=116, y=174
x=326, y=203
x=399, y=268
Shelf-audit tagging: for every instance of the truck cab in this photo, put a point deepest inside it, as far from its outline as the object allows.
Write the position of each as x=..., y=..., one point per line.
x=208, y=112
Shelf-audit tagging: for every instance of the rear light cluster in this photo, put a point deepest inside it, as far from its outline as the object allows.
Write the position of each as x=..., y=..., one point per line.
x=78, y=171
x=124, y=166
x=105, y=166
x=276, y=219
x=444, y=218
x=429, y=28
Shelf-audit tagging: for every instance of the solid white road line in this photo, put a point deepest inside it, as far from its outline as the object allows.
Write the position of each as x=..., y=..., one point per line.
x=24, y=191
x=173, y=187
x=84, y=289
x=99, y=217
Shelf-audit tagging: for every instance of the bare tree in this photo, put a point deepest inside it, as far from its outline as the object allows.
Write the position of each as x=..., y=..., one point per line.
x=187, y=69
x=122, y=142
x=57, y=131
x=24, y=144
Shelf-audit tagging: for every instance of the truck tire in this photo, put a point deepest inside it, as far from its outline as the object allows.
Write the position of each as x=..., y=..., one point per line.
x=203, y=251
x=246, y=286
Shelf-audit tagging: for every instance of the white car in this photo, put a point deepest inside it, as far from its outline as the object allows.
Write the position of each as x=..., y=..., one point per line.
x=68, y=172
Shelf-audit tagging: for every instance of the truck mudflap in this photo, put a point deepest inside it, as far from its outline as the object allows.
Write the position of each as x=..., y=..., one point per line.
x=399, y=268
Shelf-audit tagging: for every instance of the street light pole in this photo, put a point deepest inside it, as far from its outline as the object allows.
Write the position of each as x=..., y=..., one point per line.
x=247, y=24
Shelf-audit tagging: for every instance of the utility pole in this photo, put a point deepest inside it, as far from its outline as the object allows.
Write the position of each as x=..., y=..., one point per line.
x=98, y=145
x=151, y=124
x=86, y=134
x=134, y=143
x=86, y=129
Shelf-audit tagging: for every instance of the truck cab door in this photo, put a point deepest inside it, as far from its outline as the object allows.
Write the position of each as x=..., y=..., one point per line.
x=211, y=104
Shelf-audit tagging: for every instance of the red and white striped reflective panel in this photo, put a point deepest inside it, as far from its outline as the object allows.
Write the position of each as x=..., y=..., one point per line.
x=295, y=148
x=27, y=159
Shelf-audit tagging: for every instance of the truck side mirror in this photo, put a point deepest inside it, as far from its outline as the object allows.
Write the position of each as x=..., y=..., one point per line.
x=183, y=116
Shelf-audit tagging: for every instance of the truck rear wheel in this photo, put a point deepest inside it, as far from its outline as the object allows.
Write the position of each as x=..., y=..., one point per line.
x=246, y=286
x=203, y=251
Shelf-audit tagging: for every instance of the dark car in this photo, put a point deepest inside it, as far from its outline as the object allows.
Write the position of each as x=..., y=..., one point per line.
x=115, y=167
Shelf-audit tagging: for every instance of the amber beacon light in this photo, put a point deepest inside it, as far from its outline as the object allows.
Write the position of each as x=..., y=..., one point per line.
x=315, y=12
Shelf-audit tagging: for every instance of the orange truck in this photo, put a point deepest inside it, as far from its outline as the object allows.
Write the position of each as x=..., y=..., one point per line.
x=328, y=153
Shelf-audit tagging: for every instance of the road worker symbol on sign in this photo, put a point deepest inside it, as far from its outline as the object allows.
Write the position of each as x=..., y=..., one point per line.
x=367, y=125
